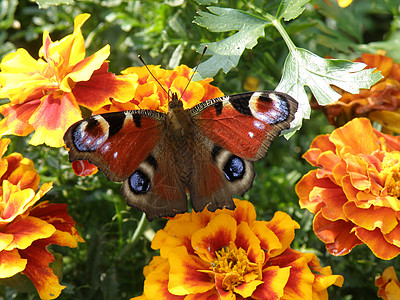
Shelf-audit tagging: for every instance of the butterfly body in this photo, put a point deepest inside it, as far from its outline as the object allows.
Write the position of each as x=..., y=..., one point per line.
x=207, y=150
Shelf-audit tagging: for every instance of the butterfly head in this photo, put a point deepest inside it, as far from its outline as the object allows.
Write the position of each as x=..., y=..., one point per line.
x=175, y=103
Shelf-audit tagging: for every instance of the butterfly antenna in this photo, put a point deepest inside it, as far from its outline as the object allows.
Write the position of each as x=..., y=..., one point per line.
x=194, y=70
x=152, y=75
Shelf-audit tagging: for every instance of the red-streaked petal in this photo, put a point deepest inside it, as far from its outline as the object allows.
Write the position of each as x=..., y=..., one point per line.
x=274, y=281
x=11, y=263
x=247, y=240
x=52, y=118
x=57, y=215
x=83, y=168
x=39, y=272
x=244, y=212
x=268, y=240
x=299, y=284
x=83, y=70
x=377, y=243
x=102, y=85
x=16, y=118
x=27, y=230
x=222, y=292
x=216, y=235
x=283, y=226
x=337, y=235
x=185, y=276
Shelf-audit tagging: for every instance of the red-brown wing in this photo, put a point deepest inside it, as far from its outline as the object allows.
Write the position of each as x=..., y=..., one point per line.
x=116, y=142
x=245, y=124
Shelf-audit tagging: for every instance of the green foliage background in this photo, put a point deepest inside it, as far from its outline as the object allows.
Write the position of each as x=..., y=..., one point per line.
x=109, y=265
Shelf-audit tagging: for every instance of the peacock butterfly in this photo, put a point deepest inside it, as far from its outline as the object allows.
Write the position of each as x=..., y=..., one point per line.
x=207, y=150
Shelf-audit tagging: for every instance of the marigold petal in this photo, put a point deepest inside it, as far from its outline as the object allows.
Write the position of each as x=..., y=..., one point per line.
x=371, y=218
x=52, y=118
x=333, y=199
x=244, y=212
x=283, y=226
x=301, y=279
x=274, y=281
x=307, y=190
x=39, y=272
x=57, y=215
x=389, y=286
x=16, y=201
x=83, y=168
x=337, y=235
x=223, y=293
x=393, y=237
x=268, y=240
x=5, y=240
x=103, y=85
x=11, y=263
x=176, y=233
x=83, y=70
x=247, y=240
x=185, y=276
x=377, y=243
x=216, y=235
x=16, y=118
x=27, y=230
x=344, y=136
x=389, y=119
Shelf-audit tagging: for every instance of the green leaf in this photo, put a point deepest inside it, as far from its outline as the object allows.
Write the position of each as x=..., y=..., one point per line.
x=47, y=3
x=304, y=68
x=291, y=9
x=226, y=53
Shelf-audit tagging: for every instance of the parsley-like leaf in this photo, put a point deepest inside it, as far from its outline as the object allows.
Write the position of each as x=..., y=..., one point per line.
x=226, y=53
x=291, y=9
x=304, y=68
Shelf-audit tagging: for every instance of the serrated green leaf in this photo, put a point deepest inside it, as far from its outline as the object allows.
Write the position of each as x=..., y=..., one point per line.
x=304, y=68
x=226, y=53
x=47, y=3
x=291, y=9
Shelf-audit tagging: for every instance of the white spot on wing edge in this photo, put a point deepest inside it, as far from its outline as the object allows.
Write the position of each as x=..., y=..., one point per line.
x=272, y=115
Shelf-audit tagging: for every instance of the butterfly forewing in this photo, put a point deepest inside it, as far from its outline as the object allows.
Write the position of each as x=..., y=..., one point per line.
x=245, y=124
x=115, y=142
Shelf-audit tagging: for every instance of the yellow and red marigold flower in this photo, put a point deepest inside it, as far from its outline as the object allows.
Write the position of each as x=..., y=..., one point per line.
x=355, y=192
x=148, y=94
x=388, y=284
x=381, y=103
x=45, y=94
x=228, y=255
x=27, y=229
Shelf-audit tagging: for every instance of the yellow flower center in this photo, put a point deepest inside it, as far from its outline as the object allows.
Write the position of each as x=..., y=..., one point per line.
x=391, y=171
x=234, y=263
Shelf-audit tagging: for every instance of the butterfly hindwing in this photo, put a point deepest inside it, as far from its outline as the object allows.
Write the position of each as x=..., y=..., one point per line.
x=245, y=124
x=115, y=142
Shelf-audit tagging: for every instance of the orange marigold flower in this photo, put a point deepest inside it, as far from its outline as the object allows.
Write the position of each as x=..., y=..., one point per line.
x=45, y=94
x=381, y=103
x=27, y=229
x=355, y=192
x=148, y=94
x=228, y=254
x=388, y=284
